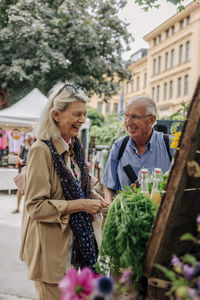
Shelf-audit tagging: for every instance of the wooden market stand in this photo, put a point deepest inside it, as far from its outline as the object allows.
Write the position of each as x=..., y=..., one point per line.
x=179, y=207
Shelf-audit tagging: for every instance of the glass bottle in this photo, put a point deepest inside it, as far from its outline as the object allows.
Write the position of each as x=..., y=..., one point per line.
x=155, y=192
x=143, y=178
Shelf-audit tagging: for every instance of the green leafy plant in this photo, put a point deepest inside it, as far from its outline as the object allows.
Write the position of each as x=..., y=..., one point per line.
x=95, y=116
x=182, y=112
x=45, y=41
x=185, y=272
x=125, y=235
x=108, y=133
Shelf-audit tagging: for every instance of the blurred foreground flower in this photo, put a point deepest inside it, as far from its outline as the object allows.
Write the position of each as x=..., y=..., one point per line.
x=105, y=285
x=198, y=223
x=78, y=284
x=185, y=272
x=175, y=139
x=126, y=277
x=86, y=285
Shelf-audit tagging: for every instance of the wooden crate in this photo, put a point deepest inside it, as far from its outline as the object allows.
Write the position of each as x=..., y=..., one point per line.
x=179, y=207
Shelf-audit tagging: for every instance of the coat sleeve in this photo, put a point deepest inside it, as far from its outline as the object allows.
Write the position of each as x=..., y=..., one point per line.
x=38, y=201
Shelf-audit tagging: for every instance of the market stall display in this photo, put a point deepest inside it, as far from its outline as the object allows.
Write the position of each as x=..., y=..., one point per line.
x=137, y=236
x=6, y=179
x=179, y=207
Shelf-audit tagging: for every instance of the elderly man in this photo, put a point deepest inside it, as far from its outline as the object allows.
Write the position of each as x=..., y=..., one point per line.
x=143, y=148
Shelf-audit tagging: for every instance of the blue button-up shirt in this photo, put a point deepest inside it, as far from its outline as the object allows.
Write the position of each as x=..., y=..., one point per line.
x=155, y=156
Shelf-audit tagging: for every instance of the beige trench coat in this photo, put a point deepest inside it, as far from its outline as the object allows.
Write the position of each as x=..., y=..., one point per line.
x=45, y=228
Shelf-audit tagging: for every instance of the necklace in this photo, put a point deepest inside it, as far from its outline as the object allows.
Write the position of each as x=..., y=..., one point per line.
x=72, y=165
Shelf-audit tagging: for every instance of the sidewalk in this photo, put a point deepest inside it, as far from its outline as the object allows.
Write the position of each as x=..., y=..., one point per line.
x=14, y=283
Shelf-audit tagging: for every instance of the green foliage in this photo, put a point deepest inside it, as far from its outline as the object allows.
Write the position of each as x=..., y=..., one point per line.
x=174, y=127
x=125, y=234
x=113, y=117
x=190, y=259
x=95, y=116
x=187, y=237
x=185, y=272
x=108, y=133
x=43, y=41
x=181, y=113
x=163, y=183
x=146, y=4
x=169, y=274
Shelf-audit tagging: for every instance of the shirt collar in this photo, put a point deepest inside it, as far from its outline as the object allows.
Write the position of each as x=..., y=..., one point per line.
x=148, y=145
x=66, y=144
x=59, y=145
x=152, y=140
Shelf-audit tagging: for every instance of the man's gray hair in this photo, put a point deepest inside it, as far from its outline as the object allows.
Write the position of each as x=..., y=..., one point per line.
x=60, y=96
x=150, y=105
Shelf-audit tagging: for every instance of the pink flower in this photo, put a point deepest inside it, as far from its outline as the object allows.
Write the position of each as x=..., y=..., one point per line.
x=126, y=276
x=78, y=284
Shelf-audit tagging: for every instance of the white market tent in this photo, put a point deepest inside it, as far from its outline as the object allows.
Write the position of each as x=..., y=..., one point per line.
x=25, y=112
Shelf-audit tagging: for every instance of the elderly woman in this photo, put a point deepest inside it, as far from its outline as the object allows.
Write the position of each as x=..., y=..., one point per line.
x=57, y=218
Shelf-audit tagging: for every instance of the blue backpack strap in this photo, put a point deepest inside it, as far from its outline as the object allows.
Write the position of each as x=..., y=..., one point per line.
x=123, y=146
x=166, y=140
x=128, y=168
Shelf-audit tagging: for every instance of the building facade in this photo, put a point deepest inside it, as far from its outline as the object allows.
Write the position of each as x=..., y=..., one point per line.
x=168, y=71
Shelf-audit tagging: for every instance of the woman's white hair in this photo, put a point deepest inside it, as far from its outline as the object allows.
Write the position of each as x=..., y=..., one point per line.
x=60, y=96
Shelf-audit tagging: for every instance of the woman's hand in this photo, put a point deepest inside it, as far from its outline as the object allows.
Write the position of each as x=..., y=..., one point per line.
x=91, y=206
x=95, y=195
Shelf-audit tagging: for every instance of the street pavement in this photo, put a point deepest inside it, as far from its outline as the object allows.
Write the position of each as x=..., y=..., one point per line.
x=14, y=283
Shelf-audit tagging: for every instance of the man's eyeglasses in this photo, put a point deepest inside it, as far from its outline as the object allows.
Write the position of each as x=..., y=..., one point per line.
x=125, y=117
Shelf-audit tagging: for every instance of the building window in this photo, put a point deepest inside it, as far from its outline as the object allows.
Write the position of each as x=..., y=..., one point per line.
x=172, y=58
x=167, y=33
x=100, y=106
x=181, y=54
x=145, y=79
x=127, y=88
x=115, y=108
x=153, y=93
x=107, y=107
x=166, y=60
x=132, y=85
x=173, y=30
x=138, y=83
x=187, y=51
x=179, y=87
x=170, y=89
x=188, y=20
x=186, y=84
x=154, y=41
x=165, y=91
x=154, y=66
x=160, y=38
x=181, y=24
x=159, y=64
x=158, y=93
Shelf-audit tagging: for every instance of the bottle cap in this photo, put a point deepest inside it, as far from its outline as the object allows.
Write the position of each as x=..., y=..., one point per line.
x=157, y=170
x=144, y=171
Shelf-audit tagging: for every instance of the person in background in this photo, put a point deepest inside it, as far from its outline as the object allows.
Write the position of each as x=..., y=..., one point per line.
x=59, y=206
x=22, y=157
x=145, y=148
